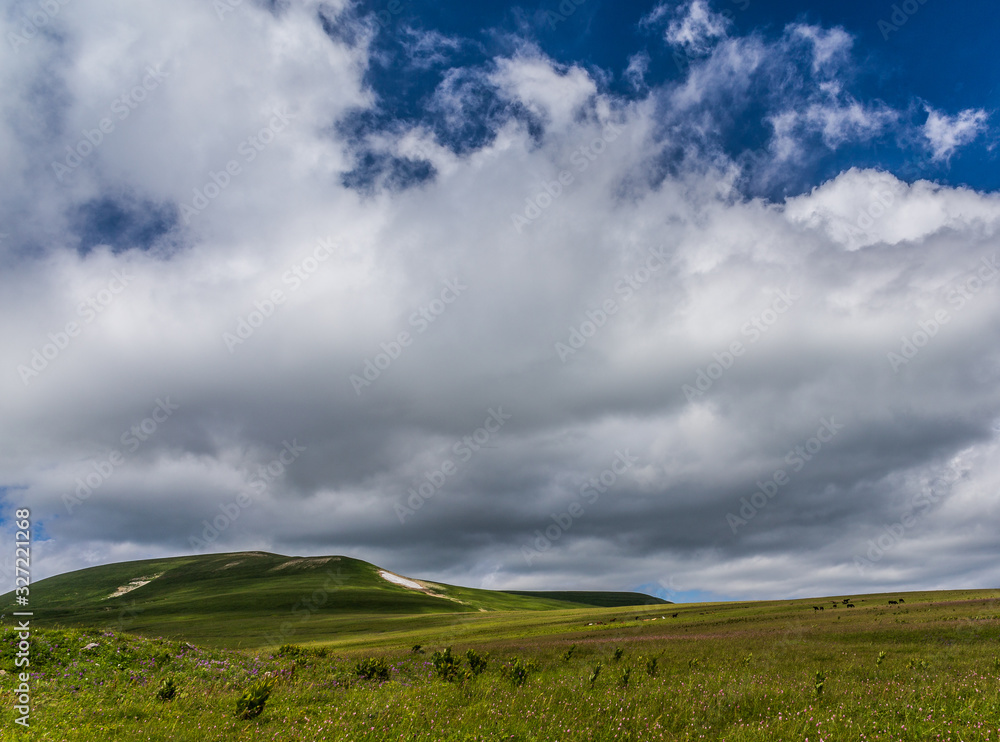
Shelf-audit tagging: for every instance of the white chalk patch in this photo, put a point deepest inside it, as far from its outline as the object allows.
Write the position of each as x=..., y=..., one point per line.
x=397, y=580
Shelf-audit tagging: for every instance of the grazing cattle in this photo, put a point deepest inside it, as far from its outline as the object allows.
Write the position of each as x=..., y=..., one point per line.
x=675, y=615
x=815, y=608
x=893, y=602
x=901, y=600
x=850, y=605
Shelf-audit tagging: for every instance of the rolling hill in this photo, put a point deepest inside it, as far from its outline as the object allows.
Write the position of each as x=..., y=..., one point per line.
x=255, y=598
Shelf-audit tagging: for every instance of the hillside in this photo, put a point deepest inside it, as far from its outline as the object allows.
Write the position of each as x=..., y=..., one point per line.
x=267, y=598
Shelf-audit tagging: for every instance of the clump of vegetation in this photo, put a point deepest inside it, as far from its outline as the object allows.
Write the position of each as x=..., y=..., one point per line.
x=517, y=672
x=446, y=665
x=916, y=664
x=747, y=660
x=417, y=649
x=881, y=656
x=569, y=653
x=693, y=663
x=477, y=662
x=290, y=650
x=375, y=669
x=617, y=654
x=624, y=678
x=820, y=681
x=595, y=673
x=251, y=702
x=167, y=689
x=652, y=666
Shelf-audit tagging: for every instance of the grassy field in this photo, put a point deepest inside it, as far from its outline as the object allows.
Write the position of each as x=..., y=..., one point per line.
x=923, y=669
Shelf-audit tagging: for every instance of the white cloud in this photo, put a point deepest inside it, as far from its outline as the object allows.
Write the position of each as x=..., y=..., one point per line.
x=726, y=258
x=945, y=134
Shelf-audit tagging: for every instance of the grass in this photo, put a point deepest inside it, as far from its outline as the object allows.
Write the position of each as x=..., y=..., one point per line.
x=739, y=672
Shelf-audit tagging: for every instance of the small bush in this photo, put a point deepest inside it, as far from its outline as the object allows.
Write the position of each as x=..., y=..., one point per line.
x=595, y=673
x=569, y=653
x=251, y=703
x=290, y=650
x=517, y=672
x=652, y=668
x=446, y=665
x=477, y=663
x=623, y=680
x=167, y=689
x=374, y=668
x=617, y=654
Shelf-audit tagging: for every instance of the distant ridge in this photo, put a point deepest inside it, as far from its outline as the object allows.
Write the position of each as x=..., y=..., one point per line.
x=259, y=596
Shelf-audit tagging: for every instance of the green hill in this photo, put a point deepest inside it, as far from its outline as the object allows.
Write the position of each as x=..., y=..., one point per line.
x=254, y=598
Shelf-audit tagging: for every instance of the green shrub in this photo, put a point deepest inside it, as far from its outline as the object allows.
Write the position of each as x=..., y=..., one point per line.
x=617, y=654
x=251, y=703
x=652, y=668
x=290, y=650
x=477, y=663
x=167, y=689
x=594, y=674
x=446, y=665
x=518, y=671
x=881, y=656
x=569, y=653
x=373, y=668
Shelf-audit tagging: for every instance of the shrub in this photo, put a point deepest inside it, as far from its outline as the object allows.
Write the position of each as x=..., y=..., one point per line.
x=595, y=673
x=623, y=680
x=290, y=650
x=617, y=654
x=477, y=663
x=373, y=668
x=251, y=703
x=446, y=665
x=167, y=689
x=651, y=666
x=517, y=672
x=569, y=653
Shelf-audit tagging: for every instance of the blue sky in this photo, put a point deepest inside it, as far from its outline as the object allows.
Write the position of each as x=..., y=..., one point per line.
x=693, y=297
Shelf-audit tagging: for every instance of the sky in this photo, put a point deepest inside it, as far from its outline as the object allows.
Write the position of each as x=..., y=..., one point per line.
x=692, y=297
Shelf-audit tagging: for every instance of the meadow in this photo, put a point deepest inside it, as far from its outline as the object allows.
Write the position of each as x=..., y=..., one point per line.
x=925, y=668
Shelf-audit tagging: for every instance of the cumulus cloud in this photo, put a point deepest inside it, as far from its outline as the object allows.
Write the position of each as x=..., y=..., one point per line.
x=588, y=306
